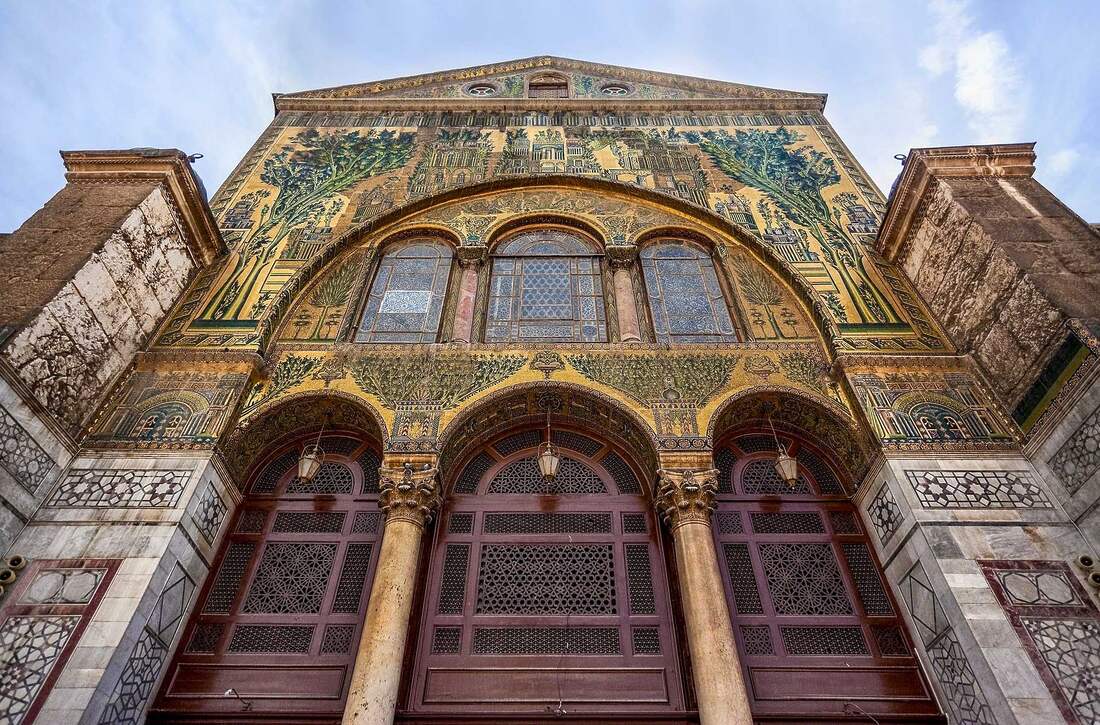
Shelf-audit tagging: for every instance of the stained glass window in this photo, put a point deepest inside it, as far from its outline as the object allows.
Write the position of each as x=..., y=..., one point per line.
x=546, y=287
x=406, y=298
x=684, y=295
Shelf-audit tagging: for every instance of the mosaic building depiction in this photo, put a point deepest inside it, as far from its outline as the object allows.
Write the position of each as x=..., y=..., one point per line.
x=550, y=391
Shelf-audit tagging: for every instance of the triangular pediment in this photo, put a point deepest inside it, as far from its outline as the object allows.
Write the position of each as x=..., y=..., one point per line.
x=585, y=80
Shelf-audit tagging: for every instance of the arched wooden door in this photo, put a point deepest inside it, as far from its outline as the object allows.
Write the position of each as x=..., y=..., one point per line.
x=281, y=612
x=546, y=599
x=819, y=634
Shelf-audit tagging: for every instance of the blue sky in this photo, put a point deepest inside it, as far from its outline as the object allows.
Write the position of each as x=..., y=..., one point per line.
x=198, y=75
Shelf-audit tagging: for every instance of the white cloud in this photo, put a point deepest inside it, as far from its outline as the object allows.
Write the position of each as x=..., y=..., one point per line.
x=1062, y=161
x=989, y=87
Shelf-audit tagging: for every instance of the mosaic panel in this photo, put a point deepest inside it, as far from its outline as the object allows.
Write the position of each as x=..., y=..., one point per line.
x=1070, y=648
x=20, y=455
x=103, y=488
x=977, y=489
x=1079, y=457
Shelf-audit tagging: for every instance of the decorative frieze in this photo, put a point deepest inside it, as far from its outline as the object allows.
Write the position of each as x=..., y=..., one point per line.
x=408, y=494
x=20, y=454
x=686, y=496
x=108, y=488
x=884, y=513
x=977, y=489
x=1079, y=457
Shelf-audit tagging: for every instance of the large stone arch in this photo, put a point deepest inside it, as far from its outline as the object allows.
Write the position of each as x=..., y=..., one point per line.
x=687, y=216
x=264, y=428
x=524, y=404
x=815, y=417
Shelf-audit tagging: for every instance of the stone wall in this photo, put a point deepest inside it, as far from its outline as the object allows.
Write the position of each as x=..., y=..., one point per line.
x=982, y=555
x=115, y=281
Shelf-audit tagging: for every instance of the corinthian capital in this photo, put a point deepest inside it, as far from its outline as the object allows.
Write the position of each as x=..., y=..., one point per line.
x=686, y=496
x=472, y=255
x=621, y=256
x=409, y=494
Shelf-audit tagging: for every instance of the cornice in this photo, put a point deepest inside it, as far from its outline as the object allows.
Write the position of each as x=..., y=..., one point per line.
x=549, y=105
x=689, y=83
x=168, y=166
x=923, y=165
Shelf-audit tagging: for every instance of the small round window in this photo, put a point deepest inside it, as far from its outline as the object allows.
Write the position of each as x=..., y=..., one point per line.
x=481, y=89
x=615, y=89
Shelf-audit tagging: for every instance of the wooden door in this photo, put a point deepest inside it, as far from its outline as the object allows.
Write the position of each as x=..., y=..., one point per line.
x=547, y=599
x=818, y=632
x=280, y=616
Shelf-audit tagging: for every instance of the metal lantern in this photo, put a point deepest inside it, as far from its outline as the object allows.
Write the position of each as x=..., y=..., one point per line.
x=786, y=466
x=310, y=462
x=549, y=460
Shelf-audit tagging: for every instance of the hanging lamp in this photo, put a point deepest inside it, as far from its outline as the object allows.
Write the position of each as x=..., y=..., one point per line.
x=786, y=466
x=549, y=460
x=311, y=459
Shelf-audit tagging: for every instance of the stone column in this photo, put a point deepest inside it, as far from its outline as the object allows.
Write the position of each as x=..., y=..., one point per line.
x=685, y=499
x=470, y=258
x=621, y=258
x=409, y=496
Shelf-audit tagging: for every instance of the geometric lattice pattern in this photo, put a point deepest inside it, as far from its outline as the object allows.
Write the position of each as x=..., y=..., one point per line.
x=759, y=478
x=823, y=475
x=867, y=581
x=31, y=646
x=452, y=585
x=472, y=473
x=100, y=488
x=523, y=476
x=646, y=640
x=210, y=513
x=977, y=489
x=547, y=523
x=291, y=579
x=333, y=478
x=135, y=685
x=624, y=476
x=786, y=522
x=1079, y=456
x=576, y=579
x=309, y=522
x=757, y=639
x=1071, y=649
x=20, y=454
x=287, y=639
x=353, y=577
x=546, y=641
x=446, y=640
x=822, y=641
x=746, y=597
x=884, y=514
x=639, y=579
x=804, y=580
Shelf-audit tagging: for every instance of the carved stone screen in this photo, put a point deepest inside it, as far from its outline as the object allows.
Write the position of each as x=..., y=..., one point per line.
x=546, y=597
x=685, y=298
x=280, y=616
x=546, y=286
x=406, y=296
x=816, y=627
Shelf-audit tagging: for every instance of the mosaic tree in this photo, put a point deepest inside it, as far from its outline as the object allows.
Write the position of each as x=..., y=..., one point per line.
x=304, y=175
x=794, y=178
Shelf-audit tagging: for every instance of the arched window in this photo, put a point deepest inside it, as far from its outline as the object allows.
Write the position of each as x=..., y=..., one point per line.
x=814, y=621
x=282, y=610
x=546, y=286
x=685, y=298
x=545, y=592
x=548, y=85
x=406, y=297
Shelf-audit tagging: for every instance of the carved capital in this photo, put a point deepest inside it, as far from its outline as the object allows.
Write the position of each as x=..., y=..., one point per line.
x=472, y=256
x=686, y=496
x=409, y=494
x=621, y=256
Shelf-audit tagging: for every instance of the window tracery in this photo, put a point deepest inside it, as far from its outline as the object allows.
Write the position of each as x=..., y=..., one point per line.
x=406, y=297
x=546, y=286
x=685, y=297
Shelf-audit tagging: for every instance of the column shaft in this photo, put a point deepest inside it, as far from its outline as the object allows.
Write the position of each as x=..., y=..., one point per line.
x=372, y=696
x=629, y=331
x=464, y=309
x=719, y=684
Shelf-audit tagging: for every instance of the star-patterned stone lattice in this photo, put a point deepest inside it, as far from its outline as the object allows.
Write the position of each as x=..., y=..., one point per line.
x=105, y=488
x=885, y=514
x=31, y=646
x=1079, y=457
x=977, y=489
